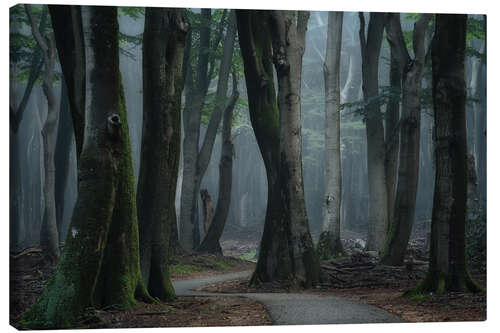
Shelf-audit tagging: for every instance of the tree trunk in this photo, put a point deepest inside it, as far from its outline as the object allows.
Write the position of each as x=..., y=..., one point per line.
x=100, y=263
x=333, y=172
x=253, y=33
x=447, y=268
x=65, y=140
x=409, y=155
x=163, y=48
x=189, y=231
x=377, y=185
x=288, y=40
x=392, y=134
x=214, y=230
x=49, y=237
x=286, y=250
x=67, y=25
x=208, y=209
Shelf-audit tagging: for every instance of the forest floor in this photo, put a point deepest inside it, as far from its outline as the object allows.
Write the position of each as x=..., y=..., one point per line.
x=28, y=276
x=357, y=277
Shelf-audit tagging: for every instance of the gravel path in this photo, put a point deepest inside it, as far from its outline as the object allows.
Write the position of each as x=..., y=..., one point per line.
x=296, y=308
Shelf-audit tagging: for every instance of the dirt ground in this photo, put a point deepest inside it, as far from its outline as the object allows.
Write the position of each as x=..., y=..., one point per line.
x=28, y=276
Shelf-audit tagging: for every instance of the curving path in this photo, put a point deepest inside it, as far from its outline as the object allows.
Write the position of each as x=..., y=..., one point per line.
x=295, y=308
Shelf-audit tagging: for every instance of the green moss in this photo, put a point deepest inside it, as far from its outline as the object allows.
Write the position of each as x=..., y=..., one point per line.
x=250, y=255
x=184, y=269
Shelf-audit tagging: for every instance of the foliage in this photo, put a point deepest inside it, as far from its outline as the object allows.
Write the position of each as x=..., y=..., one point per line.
x=133, y=12
x=23, y=49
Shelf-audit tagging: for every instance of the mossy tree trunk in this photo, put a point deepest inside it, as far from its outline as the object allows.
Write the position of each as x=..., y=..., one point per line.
x=333, y=172
x=163, y=48
x=286, y=249
x=447, y=267
x=403, y=213
x=100, y=262
x=375, y=149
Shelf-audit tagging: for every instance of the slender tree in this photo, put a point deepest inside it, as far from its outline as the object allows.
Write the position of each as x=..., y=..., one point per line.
x=16, y=116
x=100, y=263
x=196, y=160
x=333, y=172
x=447, y=268
x=392, y=132
x=163, y=47
x=286, y=251
x=411, y=71
x=49, y=237
x=67, y=24
x=377, y=185
x=215, y=229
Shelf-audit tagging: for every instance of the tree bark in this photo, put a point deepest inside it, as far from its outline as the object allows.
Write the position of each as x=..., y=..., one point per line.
x=64, y=142
x=256, y=50
x=214, y=230
x=67, y=24
x=100, y=263
x=377, y=184
x=409, y=155
x=333, y=172
x=447, y=268
x=49, y=237
x=163, y=48
x=392, y=133
x=286, y=251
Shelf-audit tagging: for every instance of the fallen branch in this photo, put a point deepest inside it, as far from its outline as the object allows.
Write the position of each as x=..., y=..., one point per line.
x=25, y=252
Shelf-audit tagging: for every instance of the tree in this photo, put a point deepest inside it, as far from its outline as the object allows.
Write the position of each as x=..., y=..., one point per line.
x=196, y=161
x=377, y=184
x=411, y=70
x=49, y=237
x=23, y=53
x=211, y=242
x=67, y=24
x=64, y=142
x=100, y=263
x=333, y=172
x=447, y=268
x=163, y=49
x=286, y=250
x=392, y=132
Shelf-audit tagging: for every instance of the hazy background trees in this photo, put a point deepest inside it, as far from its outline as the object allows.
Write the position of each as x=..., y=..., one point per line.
x=249, y=196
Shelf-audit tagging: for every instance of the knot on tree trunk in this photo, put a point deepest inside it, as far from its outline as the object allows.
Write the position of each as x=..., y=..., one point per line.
x=114, y=125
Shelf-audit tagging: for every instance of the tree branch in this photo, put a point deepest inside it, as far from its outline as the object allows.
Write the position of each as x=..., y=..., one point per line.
x=362, y=38
x=397, y=41
x=419, y=37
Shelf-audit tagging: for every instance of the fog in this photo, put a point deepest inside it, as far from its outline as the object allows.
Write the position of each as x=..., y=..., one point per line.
x=249, y=191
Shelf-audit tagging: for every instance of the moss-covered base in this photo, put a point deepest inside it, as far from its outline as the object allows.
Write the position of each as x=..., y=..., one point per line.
x=329, y=246
x=440, y=283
